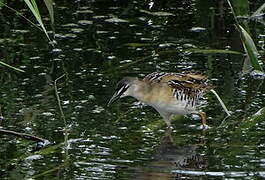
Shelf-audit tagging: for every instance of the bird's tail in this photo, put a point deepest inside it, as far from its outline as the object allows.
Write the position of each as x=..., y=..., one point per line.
x=221, y=102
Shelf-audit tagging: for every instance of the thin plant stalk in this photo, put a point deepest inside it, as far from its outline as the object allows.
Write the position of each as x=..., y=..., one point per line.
x=58, y=98
x=21, y=15
x=24, y=136
x=11, y=67
x=66, y=133
x=221, y=102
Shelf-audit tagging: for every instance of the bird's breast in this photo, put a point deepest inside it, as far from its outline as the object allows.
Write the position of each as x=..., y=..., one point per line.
x=174, y=107
x=168, y=103
x=162, y=98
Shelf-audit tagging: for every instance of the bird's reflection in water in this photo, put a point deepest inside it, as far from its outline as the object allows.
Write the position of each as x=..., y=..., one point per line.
x=169, y=156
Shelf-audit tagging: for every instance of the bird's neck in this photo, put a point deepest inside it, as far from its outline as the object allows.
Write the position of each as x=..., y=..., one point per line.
x=141, y=90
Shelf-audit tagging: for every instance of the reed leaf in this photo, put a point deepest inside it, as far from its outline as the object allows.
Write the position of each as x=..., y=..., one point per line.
x=11, y=67
x=250, y=48
x=49, y=5
x=35, y=11
x=247, y=42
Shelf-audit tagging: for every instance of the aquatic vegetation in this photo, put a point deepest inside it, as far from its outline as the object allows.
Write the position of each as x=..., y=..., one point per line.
x=247, y=42
x=35, y=11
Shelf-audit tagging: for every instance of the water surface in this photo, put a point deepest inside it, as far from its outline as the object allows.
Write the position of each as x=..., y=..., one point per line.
x=98, y=43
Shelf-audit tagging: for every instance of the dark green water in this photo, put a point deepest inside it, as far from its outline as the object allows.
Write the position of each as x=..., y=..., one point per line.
x=98, y=43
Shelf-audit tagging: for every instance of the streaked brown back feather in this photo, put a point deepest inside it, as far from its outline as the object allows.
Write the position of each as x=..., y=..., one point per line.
x=192, y=82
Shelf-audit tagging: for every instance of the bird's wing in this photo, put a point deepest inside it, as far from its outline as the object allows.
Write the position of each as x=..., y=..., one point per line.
x=187, y=81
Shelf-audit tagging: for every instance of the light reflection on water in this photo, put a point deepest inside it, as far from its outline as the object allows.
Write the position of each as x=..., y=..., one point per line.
x=129, y=140
x=232, y=174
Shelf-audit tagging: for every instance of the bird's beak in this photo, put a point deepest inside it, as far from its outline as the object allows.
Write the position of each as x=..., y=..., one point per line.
x=114, y=98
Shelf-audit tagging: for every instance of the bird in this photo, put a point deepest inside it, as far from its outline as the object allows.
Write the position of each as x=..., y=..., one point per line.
x=168, y=93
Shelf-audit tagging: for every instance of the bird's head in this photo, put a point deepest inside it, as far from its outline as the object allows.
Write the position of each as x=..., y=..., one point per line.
x=124, y=88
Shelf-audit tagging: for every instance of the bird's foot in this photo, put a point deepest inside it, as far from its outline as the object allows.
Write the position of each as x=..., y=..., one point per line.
x=204, y=127
x=169, y=127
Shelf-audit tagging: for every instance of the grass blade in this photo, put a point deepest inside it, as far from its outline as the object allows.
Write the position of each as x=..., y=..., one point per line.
x=12, y=67
x=250, y=48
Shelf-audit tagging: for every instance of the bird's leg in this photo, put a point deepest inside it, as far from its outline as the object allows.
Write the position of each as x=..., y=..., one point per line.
x=168, y=121
x=203, y=119
x=167, y=118
x=167, y=139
